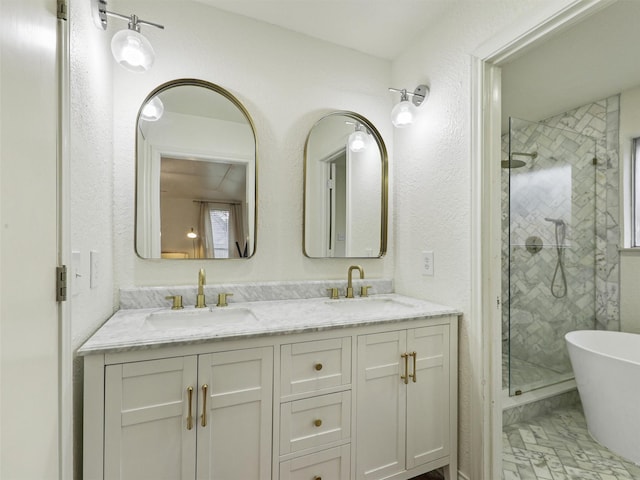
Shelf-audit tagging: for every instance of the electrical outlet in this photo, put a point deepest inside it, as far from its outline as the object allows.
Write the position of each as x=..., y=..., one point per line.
x=427, y=263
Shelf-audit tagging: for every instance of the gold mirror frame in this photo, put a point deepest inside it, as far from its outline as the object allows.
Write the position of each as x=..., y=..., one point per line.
x=384, y=184
x=246, y=116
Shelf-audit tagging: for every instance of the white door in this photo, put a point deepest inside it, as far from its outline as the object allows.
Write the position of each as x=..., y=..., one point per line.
x=381, y=405
x=428, y=395
x=29, y=402
x=235, y=410
x=148, y=434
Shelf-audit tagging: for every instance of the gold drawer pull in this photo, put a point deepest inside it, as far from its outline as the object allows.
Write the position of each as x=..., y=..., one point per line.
x=405, y=377
x=318, y=366
x=415, y=356
x=205, y=387
x=190, y=416
x=317, y=422
x=317, y=477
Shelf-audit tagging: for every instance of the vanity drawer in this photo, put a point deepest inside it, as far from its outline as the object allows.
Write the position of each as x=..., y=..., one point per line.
x=315, y=421
x=331, y=464
x=311, y=366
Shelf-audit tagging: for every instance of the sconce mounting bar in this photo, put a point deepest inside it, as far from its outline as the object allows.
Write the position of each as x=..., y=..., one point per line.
x=100, y=13
x=418, y=96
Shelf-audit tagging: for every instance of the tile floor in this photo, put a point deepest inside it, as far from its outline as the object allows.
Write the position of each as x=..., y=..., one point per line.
x=557, y=446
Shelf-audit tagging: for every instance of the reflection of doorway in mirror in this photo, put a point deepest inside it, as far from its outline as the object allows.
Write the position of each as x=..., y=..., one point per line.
x=205, y=193
x=337, y=207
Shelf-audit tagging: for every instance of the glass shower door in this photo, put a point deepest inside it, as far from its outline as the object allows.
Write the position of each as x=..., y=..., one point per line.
x=549, y=238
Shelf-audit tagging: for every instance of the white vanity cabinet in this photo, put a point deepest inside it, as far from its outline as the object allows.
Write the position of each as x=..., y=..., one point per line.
x=204, y=416
x=341, y=403
x=406, y=402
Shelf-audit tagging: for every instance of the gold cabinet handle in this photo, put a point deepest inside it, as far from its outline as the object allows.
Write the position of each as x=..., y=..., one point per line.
x=317, y=477
x=318, y=366
x=415, y=356
x=205, y=387
x=317, y=422
x=405, y=377
x=190, y=415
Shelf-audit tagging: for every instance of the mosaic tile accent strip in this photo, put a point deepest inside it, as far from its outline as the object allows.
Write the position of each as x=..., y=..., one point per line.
x=558, y=447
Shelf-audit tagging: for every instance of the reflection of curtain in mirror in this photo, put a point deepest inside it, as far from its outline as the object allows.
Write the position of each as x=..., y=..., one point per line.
x=236, y=238
x=205, y=237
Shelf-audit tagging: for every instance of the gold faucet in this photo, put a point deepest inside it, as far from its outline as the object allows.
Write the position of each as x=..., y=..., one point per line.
x=202, y=280
x=349, y=282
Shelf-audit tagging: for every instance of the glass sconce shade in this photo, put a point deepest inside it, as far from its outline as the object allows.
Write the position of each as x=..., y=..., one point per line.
x=402, y=114
x=358, y=141
x=132, y=50
x=152, y=110
x=191, y=234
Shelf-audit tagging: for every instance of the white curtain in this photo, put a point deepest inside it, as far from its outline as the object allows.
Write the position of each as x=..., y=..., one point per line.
x=237, y=236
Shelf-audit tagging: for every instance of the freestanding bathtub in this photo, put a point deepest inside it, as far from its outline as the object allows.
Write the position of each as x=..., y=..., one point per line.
x=607, y=370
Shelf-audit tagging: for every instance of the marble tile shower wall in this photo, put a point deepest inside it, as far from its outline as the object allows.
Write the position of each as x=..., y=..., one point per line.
x=538, y=320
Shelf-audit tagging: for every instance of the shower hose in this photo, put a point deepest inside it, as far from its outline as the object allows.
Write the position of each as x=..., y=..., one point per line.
x=560, y=290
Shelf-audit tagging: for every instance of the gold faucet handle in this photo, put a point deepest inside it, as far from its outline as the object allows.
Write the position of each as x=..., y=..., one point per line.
x=364, y=290
x=222, y=299
x=333, y=293
x=177, y=301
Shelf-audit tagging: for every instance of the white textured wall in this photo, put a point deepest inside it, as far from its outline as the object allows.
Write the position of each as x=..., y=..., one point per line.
x=432, y=170
x=287, y=81
x=91, y=169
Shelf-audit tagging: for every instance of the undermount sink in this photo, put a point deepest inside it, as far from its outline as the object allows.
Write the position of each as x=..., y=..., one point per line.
x=368, y=305
x=200, y=318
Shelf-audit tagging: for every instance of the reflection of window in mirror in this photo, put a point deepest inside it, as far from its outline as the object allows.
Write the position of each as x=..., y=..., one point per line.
x=635, y=201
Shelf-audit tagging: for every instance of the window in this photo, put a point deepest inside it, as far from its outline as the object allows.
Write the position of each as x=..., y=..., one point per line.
x=220, y=230
x=635, y=194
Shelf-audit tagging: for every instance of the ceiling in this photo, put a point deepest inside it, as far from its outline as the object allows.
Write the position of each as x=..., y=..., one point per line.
x=382, y=28
x=596, y=58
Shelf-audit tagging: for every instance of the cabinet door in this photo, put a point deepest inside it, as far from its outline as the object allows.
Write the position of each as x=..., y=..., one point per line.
x=235, y=412
x=428, y=396
x=146, y=408
x=381, y=405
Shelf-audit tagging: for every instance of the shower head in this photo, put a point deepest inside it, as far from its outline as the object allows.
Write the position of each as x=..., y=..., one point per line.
x=555, y=221
x=513, y=163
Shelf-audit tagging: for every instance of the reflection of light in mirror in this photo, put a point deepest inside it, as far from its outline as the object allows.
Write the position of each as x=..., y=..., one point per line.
x=402, y=114
x=132, y=50
x=192, y=234
x=358, y=141
x=153, y=110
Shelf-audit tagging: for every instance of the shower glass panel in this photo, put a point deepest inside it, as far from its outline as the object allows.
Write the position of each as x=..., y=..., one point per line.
x=548, y=250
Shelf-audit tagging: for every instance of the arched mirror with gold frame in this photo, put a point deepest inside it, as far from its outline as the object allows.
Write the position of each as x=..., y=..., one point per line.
x=345, y=188
x=196, y=174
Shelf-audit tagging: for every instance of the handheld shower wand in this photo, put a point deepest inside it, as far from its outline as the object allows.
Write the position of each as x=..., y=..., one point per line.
x=561, y=230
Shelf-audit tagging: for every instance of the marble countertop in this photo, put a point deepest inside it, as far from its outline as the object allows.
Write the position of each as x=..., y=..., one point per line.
x=144, y=328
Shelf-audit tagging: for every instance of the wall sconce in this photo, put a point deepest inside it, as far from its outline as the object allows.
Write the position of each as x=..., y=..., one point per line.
x=358, y=140
x=403, y=113
x=192, y=235
x=129, y=47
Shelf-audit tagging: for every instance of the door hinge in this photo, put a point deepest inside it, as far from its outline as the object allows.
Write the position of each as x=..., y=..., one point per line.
x=61, y=283
x=62, y=9
x=330, y=183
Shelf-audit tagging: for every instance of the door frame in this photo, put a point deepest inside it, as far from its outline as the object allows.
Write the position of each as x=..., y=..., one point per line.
x=485, y=336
